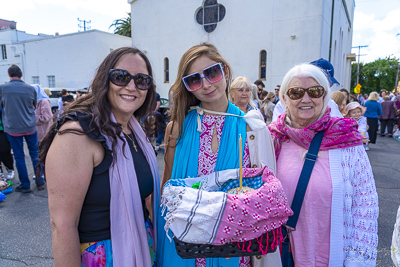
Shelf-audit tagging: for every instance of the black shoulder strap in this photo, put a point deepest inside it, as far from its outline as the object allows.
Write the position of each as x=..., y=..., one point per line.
x=311, y=158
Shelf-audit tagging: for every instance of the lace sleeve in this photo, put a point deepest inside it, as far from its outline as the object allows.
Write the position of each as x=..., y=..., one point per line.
x=361, y=209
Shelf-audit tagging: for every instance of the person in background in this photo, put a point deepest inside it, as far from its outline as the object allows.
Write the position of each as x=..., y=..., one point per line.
x=328, y=231
x=263, y=102
x=346, y=94
x=101, y=170
x=389, y=114
x=397, y=106
x=263, y=95
x=63, y=92
x=203, y=134
x=269, y=107
x=160, y=125
x=18, y=101
x=47, y=91
x=340, y=99
x=374, y=109
x=382, y=94
x=353, y=98
x=276, y=90
x=356, y=111
x=255, y=97
x=44, y=116
x=365, y=98
x=260, y=86
x=5, y=153
x=240, y=94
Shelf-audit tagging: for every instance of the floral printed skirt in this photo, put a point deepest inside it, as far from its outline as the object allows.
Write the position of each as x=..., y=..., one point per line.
x=99, y=254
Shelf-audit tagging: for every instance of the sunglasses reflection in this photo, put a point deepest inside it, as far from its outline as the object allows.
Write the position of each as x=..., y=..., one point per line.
x=194, y=81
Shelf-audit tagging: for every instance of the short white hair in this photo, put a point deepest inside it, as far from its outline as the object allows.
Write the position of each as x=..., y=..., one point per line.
x=306, y=70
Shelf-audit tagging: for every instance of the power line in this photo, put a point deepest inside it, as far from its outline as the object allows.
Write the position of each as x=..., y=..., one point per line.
x=84, y=24
x=358, y=63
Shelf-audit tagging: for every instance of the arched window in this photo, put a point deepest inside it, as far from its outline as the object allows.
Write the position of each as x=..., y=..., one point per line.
x=166, y=70
x=263, y=65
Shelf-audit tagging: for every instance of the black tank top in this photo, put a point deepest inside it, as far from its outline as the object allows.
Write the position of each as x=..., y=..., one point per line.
x=94, y=221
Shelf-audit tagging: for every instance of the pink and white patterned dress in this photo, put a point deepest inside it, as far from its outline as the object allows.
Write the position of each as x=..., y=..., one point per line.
x=208, y=160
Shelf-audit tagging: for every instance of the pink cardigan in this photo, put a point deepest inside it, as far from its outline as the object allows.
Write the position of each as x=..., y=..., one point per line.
x=44, y=118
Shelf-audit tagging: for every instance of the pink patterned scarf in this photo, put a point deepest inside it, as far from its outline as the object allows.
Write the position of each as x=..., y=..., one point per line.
x=340, y=132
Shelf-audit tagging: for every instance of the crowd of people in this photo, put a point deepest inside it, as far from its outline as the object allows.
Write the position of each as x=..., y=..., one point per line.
x=105, y=211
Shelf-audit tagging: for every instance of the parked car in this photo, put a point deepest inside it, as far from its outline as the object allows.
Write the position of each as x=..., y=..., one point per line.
x=164, y=110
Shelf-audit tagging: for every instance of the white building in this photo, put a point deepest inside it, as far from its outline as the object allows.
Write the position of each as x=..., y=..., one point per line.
x=259, y=38
x=63, y=61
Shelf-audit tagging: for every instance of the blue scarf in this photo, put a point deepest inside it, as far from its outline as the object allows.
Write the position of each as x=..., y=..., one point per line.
x=186, y=165
x=187, y=149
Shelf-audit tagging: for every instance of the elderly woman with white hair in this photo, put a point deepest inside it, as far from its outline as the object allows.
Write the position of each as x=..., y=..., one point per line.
x=241, y=94
x=337, y=225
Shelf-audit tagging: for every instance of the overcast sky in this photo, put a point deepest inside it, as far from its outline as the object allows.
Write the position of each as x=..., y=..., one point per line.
x=376, y=22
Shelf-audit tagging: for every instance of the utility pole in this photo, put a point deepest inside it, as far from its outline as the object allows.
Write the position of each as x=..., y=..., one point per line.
x=397, y=78
x=358, y=62
x=84, y=24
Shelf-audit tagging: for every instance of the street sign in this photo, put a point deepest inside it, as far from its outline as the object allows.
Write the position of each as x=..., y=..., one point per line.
x=357, y=89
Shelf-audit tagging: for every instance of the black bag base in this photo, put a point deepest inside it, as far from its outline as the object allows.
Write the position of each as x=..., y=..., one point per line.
x=228, y=250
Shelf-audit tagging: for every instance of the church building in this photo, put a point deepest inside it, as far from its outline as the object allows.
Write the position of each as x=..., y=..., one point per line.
x=261, y=39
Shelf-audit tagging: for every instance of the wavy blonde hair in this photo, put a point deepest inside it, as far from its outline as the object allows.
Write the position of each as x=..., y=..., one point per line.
x=182, y=98
x=373, y=96
x=338, y=98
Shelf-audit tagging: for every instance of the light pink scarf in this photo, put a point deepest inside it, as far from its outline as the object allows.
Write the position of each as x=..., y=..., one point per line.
x=128, y=233
x=340, y=132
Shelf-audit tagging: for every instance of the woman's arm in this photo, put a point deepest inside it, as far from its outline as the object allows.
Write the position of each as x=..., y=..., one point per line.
x=69, y=166
x=170, y=138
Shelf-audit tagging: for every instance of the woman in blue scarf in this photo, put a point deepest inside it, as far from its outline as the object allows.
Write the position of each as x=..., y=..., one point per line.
x=203, y=136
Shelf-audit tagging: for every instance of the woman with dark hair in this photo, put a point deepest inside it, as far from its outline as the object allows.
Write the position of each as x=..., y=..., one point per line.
x=101, y=170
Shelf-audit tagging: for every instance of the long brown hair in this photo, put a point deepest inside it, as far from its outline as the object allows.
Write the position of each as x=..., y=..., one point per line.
x=182, y=98
x=98, y=104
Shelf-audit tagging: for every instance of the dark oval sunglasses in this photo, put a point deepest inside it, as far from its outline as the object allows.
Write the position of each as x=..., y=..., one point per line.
x=121, y=77
x=296, y=93
x=194, y=81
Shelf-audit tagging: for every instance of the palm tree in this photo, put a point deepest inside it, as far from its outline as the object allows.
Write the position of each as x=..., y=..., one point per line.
x=122, y=26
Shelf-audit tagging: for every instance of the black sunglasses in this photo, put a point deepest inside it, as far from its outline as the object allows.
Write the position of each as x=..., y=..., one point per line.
x=296, y=93
x=122, y=77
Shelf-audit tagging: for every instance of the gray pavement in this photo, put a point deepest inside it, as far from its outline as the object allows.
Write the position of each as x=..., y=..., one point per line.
x=25, y=233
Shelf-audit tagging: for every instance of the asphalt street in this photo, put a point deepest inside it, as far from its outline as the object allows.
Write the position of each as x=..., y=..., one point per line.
x=25, y=233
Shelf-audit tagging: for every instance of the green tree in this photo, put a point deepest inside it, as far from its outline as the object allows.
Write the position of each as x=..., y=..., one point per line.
x=122, y=26
x=376, y=75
